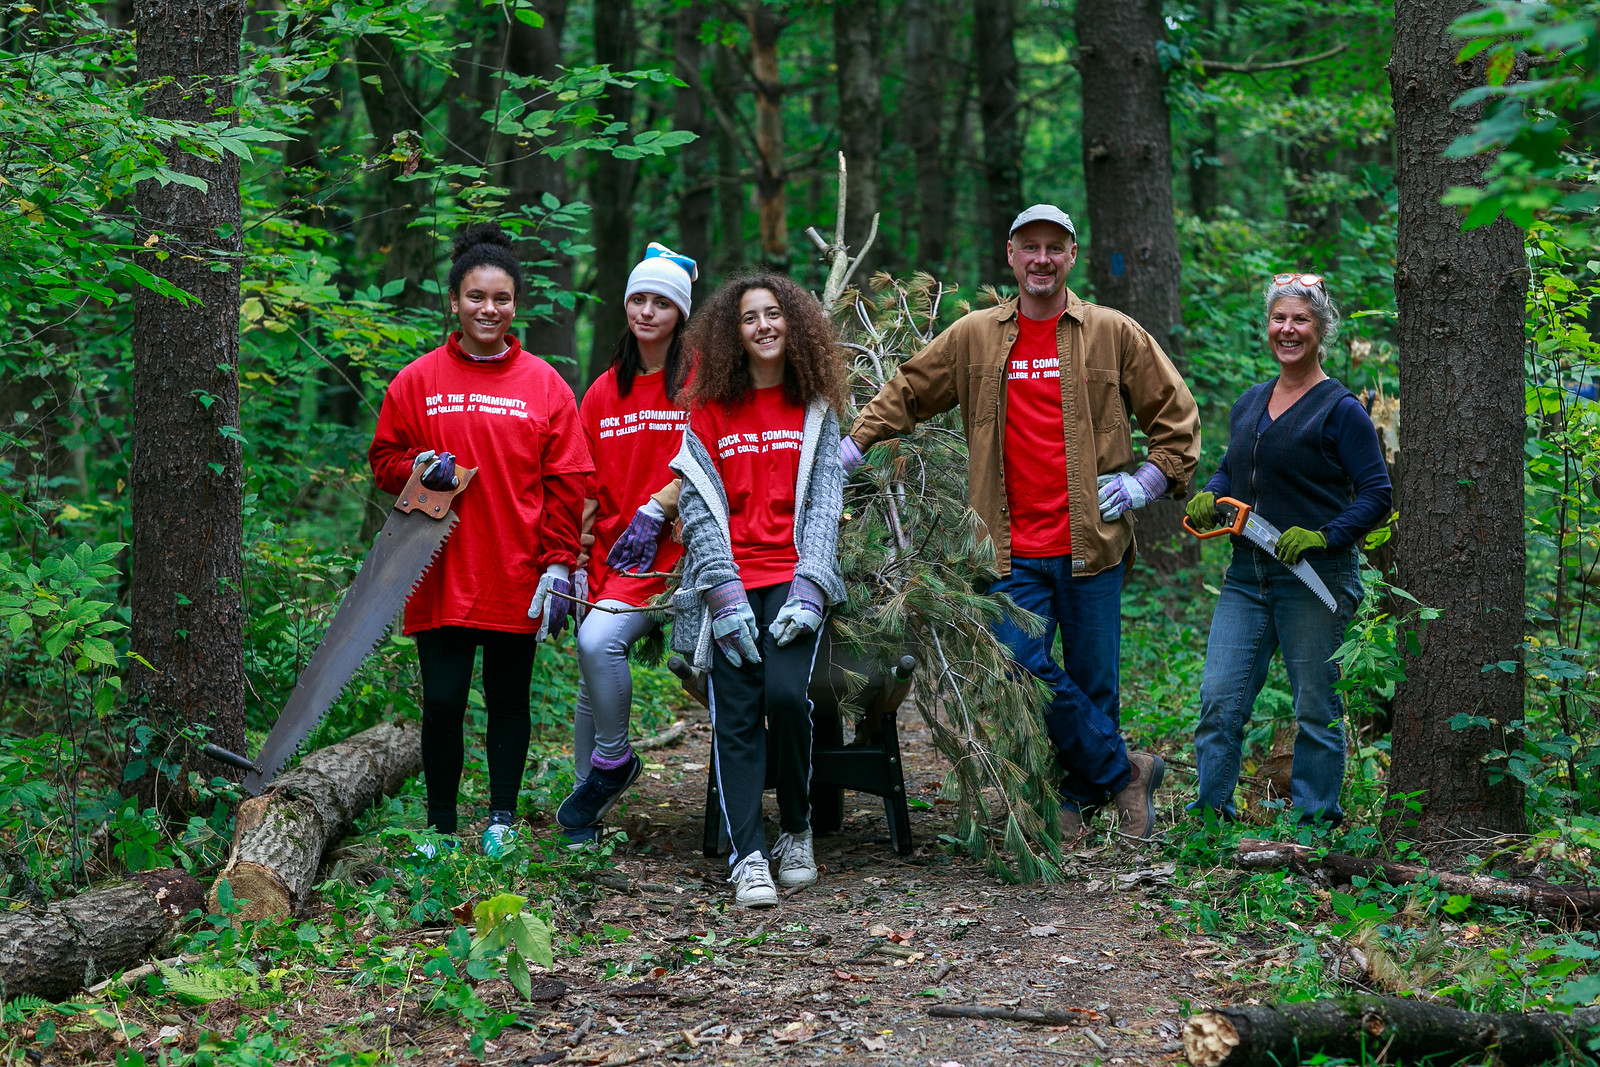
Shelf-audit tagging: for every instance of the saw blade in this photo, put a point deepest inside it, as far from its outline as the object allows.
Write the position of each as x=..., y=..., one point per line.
x=401, y=554
x=1266, y=535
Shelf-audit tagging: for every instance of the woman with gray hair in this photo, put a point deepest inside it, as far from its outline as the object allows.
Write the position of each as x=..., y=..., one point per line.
x=1303, y=453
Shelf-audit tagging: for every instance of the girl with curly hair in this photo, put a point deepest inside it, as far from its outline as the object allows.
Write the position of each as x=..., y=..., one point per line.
x=762, y=495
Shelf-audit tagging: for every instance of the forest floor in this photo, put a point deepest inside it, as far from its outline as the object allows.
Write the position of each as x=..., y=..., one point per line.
x=844, y=971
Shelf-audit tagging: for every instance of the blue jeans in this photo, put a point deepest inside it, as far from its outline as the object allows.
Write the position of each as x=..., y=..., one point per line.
x=1083, y=717
x=1263, y=607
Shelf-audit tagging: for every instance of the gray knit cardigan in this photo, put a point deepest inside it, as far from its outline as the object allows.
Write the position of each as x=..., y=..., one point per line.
x=708, y=556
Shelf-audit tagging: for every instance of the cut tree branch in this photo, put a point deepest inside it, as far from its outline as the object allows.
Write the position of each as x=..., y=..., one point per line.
x=1219, y=66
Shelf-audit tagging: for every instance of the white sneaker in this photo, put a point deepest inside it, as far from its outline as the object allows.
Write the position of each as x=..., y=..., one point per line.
x=797, y=864
x=752, y=883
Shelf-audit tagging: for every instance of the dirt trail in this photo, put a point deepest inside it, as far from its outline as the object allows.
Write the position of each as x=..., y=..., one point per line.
x=816, y=990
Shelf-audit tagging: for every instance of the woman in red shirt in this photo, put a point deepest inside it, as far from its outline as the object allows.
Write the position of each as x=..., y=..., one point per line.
x=762, y=495
x=481, y=400
x=633, y=420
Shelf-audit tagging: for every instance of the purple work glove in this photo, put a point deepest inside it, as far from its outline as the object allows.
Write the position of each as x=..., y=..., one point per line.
x=635, y=549
x=552, y=611
x=850, y=456
x=733, y=623
x=1121, y=493
x=440, y=472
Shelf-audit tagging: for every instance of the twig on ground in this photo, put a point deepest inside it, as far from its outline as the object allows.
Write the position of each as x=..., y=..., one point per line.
x=665, y=739
x=1046, y=1017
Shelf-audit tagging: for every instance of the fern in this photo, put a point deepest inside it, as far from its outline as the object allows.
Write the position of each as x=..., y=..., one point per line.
x=204, y=986
x=21, y=1006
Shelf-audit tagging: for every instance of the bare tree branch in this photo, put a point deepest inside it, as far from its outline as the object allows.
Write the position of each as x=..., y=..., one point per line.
x=1218, y=66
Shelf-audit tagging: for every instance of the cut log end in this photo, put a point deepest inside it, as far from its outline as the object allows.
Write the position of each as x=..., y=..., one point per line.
x=1209, y=1039
x=264, y=893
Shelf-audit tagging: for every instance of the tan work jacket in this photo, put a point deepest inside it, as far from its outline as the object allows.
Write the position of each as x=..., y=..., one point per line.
x=1109, y=367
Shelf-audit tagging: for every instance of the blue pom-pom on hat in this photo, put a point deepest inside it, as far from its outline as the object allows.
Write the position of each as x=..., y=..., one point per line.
x=664, y=272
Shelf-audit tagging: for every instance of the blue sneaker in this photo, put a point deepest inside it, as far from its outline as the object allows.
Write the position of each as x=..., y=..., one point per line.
x=598, y=794
x=582, y=838
x=499, y=834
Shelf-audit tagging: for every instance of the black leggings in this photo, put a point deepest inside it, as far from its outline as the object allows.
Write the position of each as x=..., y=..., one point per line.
x=446, y=656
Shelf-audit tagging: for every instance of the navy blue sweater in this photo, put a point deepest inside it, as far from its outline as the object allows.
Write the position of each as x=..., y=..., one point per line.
x=1351, y=441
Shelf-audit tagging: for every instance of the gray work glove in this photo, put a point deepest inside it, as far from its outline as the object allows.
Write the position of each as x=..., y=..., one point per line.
x=801, y=614
x=733, y=624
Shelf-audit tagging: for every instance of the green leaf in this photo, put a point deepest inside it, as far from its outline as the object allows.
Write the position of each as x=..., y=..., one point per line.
x=517, y=974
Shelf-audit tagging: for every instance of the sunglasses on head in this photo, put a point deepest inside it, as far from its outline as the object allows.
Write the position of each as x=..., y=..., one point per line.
x=1303, y=279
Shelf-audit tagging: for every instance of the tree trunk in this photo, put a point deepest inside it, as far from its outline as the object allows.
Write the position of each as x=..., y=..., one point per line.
x=96, y=933
x=611, y=191
x=407, y=251
x=857, y=47
x=551, y=332
x=928, y=67
x=1459, y=546
x=280, y=836
x=995, y=54
x=1127, y=164
x=474, y=83
x=187, y=468
x=730, y=186
x=1407, y=1031
x=696, y=192
x=772, y=178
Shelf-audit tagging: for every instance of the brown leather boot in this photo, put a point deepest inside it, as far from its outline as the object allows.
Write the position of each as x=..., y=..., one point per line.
x=1072, y=827
x=1136, y=807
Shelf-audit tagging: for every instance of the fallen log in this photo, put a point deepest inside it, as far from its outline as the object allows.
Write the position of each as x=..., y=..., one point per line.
x=280, y=836
x=62, y=948
x=1036, y=1016
x=665, y=739
x=1545, y=898
x=1360, y=1028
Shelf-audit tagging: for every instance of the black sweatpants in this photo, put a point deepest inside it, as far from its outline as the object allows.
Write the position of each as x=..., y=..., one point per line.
x=446, y=655
x=756, y=706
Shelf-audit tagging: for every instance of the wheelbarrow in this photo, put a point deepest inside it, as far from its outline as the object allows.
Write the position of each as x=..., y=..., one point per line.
x=870, y=763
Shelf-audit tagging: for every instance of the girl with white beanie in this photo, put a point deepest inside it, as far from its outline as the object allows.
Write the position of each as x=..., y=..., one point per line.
x=633, y=419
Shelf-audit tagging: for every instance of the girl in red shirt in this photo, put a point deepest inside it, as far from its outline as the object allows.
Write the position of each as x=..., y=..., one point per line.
x=481, y=400
x=633, y=420
x=762, y=495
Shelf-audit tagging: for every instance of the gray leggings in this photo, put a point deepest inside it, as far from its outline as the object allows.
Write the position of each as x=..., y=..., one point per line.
x=605, y=690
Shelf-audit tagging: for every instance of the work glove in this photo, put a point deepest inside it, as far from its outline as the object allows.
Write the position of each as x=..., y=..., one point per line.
x=1202, y=512
x=1295, y=540
x=441, y=470
x=580, y=589
x=733, y=624
x=552, y=611
x=850, y=456
x=635, y=549
x=1121, y=493
x=801, y=614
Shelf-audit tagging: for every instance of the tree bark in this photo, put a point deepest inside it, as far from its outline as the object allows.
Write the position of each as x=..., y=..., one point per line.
x=857, y=46
x=407, y=251
x=772, y=177
x=187, y=470
x=1127, y=164
x=1560, y=901
x=1459, y=546
x=552, y=332
x=995, y=54
x=611, y=191
x=474, y=83
x=696, y=194
x=928, y=67
x=730, y=186
x=1357, y=1027
x=76, y=942
x=280, y=836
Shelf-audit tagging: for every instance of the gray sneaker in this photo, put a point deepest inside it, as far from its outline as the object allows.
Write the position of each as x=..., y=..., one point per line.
x=752, y=883
x=797, y=863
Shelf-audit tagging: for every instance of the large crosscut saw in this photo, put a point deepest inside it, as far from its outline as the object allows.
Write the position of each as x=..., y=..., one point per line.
x=401, y=554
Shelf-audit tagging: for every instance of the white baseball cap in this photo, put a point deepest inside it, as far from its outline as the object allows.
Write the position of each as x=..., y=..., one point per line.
x=1044, y=213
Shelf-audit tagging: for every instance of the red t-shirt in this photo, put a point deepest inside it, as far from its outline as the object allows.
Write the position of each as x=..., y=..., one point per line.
x=1036, y=444
x=517, y=422
x=756, y=447
x=632, y=439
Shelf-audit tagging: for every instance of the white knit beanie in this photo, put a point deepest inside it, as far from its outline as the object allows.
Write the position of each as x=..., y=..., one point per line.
x=665, y=272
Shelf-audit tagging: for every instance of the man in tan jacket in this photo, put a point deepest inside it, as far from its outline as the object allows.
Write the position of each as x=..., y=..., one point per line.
x=1047, y=384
